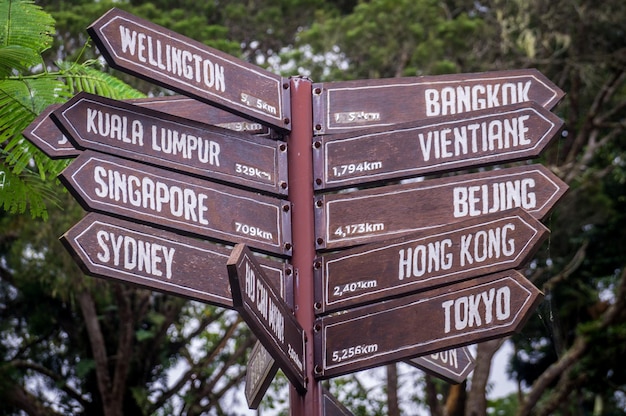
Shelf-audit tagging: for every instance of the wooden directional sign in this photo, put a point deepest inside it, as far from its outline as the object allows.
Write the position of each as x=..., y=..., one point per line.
x=44, y=134
x=452, y=365
x=181, y=106
x=157, y=138
x=267, y=315
x=352, y=218
x=179, y=202
x=260, y=372
x=181, y=64
x=351, y=105
x=115, y=249
x=332, y=407
x=456, y=252
x=479, y=138
x=452, y=316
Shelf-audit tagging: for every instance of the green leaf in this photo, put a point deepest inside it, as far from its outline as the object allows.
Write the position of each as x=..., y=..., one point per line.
x=15, y=57
x=26, y=25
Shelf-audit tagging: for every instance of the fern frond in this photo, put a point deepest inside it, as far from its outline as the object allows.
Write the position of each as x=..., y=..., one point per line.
x=26, y=25
x=86, y=78
x=26, y=190
x=18, y=58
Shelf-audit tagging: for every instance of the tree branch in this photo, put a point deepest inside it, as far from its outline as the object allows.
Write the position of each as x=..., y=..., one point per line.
x=98, y=348
x=575, y=352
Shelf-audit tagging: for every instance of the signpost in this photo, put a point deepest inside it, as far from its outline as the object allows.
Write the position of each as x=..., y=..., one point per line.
x=176, y=62
x=157, y=138
x=502, y=134
x=450, y=254
x=452, y=316
x=155, y=196
x=350, y=105
x=260, y=372
x=371, y=215
x=452, y=365
x=436, y=274
x=158, y=260
x=255, y=298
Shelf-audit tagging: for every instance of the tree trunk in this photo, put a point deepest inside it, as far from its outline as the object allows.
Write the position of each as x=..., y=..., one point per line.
x=457, y=398
x=393, y=409
x=477, y=397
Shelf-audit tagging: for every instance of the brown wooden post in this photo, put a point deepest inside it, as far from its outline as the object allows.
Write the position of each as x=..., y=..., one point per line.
x=300, y=159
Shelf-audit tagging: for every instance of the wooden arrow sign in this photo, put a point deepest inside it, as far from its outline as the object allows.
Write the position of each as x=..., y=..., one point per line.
x=179, y=202
x=456, y=252
x=155, y=259
x=159, y=55
x=350, y=105
x=452, y=365
x=371, y=215
x=479, y=138
x=181, y=106
x=267, y=315
x=333, y=407
x=452, y=316
x=260, y=372
x=44, y=134
x=157, y=138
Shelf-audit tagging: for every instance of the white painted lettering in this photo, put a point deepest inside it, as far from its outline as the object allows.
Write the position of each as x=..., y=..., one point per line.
x=477, y=310
x=450, y=100
x=183, y=63
x=477, y=200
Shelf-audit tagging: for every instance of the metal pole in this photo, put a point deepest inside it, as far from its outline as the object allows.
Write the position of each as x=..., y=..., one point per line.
x=300, y=168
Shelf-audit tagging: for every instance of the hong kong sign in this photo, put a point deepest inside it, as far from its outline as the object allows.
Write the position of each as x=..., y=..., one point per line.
x=267, y=315
x=352, y=218
x=155, y=196
x=452, y=253
x=350, y=105
x=181, y=64
x=452, y=316
x=497, y=135
x=157, y=138
x=452, y=365
x=156, y=259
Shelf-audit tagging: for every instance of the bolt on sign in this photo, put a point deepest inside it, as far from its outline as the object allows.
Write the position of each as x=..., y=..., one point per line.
x=452, y=365
x=159, y=260
x=267, y=315
x=456, y=252
x=347, y=219
x=148, y=194
x=351, y=105
x=502, y=134
x=156, y=138
x=463, y=313
x=176, y=62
